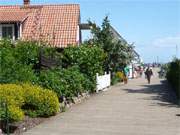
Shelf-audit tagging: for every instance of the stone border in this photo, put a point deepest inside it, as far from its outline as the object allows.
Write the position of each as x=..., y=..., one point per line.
x=75, y=100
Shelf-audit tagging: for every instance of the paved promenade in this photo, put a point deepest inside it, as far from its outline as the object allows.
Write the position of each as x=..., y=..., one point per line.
x=133, y=109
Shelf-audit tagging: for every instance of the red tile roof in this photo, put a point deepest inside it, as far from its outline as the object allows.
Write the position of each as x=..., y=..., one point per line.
x=12, y=16
x=54, y=24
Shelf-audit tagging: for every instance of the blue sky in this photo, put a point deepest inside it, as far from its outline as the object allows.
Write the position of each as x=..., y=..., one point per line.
x=153, y=25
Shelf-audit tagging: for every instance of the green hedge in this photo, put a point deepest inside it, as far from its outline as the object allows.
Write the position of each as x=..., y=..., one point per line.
x=27, y=99
x=80, y=65
x=20, y=61
x=65, y=82
x=173, y=75
x=88, y=58
x=17, y=62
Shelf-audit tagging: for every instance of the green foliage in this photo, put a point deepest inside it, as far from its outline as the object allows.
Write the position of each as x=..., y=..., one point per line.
x=39, y=101
x=17, y=62
x=27, y=98
x=90, y=60
x=173, y=75
x=115, y=80
x=118, y=77
x=50, y=79
x=20, y=61
x=65, y=82
x=27, y=53
x=119, y=52
x=12, y=95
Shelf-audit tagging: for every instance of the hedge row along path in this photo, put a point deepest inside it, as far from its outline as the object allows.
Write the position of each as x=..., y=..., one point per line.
x=133, y=109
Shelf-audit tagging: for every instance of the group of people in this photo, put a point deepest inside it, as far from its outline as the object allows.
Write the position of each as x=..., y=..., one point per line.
x=148, y=74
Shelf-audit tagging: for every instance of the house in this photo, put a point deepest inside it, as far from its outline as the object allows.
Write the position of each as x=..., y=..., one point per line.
x=57, y=25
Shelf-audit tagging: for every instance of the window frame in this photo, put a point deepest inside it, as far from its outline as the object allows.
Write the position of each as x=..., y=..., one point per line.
x=7, y=25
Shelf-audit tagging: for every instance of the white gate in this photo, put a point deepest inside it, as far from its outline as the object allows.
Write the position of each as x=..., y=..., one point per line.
x=103, y=81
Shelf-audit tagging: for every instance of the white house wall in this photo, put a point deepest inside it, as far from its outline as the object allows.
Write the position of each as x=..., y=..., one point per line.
x=77, y=37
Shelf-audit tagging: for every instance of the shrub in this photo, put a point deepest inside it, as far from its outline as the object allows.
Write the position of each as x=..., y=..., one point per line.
x=50, y=79
x=120, y=75
x=39, y=101
x=19, y=62
x=90, y=60
x=173, y=75
x=16, y=63
x=27, y=98
x=27, y=53
x=12, y=95
x=115, y=80
x=65, y=82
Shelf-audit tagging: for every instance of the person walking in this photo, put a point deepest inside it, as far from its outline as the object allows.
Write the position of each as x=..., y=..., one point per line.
x=148, y=74
x=126, y=74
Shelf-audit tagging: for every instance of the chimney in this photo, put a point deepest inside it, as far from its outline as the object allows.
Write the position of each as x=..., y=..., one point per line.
x=26, y=2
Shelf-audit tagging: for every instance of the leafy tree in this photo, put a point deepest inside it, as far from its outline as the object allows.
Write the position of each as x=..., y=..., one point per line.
x=119, y=54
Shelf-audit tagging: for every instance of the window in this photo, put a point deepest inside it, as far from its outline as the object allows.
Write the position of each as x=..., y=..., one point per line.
x=7, y=31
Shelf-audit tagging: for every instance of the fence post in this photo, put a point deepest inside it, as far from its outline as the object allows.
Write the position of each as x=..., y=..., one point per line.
x=109, y=78
x=96, y=82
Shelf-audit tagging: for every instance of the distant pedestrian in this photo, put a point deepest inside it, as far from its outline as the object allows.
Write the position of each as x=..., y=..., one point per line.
x=148, y=74
x=126, y=74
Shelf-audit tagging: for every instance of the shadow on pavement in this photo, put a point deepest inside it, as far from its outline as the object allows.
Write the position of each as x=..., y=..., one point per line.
x=161, y=92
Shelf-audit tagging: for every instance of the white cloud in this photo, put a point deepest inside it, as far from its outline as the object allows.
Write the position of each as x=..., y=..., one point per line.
x=167, y=42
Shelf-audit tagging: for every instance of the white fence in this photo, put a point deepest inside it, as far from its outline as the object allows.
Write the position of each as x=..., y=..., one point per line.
x=103, y=81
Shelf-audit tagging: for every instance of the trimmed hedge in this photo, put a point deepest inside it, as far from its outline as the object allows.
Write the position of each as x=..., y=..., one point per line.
x=29, y=99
